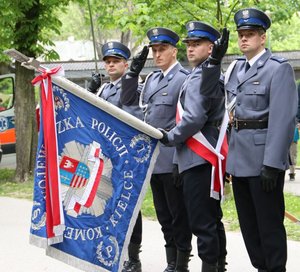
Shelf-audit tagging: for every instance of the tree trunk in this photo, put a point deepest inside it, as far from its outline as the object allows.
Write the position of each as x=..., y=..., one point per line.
x=25, y=123
x=126, y=37
x=5, y=68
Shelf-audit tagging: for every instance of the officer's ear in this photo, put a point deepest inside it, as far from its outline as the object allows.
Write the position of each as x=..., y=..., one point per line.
x=263, y=37
x=210, y=48
x=126, y=64
x=175, y=50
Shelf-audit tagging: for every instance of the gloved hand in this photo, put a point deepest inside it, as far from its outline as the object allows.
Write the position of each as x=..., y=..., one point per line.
x=220, y=48
x=164, y=139
x=138, y=61
x=268, y=176
x=176, y=176
x=95, y=83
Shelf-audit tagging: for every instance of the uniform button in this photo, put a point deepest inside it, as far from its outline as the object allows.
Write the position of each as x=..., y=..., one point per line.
x=238, y=103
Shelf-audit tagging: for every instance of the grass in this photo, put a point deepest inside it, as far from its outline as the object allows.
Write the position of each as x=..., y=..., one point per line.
x=298, y=152
x=292, y=205
x=9, y=188
x=12, y=189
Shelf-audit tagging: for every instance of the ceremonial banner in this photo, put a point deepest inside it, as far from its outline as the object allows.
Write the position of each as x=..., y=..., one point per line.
x=93, y=166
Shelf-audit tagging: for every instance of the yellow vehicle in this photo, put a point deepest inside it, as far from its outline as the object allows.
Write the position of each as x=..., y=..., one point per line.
x=7, y=115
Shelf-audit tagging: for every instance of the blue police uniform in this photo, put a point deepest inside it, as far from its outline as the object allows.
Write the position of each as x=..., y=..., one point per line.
x=158, y=99
x=200, y=114
x=111, y=92
x=265, y=100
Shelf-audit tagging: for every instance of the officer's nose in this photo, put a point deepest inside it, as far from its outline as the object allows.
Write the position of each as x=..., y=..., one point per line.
x=157, y=54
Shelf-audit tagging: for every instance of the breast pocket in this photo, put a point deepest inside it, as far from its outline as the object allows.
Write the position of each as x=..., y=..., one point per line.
x=255, y=97
x=164, y=106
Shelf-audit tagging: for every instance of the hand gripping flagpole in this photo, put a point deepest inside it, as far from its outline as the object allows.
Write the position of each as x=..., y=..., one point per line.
x=215, y=156
x=45, y=79
x=118, y=113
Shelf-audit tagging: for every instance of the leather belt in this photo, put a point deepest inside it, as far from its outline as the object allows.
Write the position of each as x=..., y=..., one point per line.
x=239, y=124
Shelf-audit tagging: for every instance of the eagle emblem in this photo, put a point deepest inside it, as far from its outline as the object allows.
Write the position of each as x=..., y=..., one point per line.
x=155, y=32
x=191, y=26
x=245, y=14
x=85, y=175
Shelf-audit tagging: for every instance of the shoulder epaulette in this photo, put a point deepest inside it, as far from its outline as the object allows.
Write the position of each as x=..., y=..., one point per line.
x=185, y=71
x=156, y=71
x=278, y=59
x=241, y=58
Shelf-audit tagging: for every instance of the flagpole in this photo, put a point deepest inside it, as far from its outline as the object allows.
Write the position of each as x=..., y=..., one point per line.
x=93, y=35
x=107, y=107
x=31, y=63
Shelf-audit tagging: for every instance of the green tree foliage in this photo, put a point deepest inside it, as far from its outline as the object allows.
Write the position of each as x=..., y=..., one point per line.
x=26, y=25
x=75, y=23
x=116, y=17
x=285, y=36
x=30, y=26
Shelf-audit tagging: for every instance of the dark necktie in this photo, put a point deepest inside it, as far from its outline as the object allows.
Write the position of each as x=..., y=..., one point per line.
x=161, y=76
x=247, y=67
x=106, y=91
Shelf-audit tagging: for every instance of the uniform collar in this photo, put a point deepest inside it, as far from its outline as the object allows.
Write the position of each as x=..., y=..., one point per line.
x=170, y=68
x=255, y=58
x=116, y=81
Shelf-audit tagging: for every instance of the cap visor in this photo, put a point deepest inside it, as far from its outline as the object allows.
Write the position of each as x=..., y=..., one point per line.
x=193, y=39
x=249, y=27
x=159, y=42
x=114, y=56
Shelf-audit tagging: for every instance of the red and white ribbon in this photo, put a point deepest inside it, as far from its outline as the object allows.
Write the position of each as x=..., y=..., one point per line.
x=54, y=209
x=215, y=156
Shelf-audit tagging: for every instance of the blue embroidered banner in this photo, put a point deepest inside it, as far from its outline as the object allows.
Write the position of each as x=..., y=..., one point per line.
x=104, y=170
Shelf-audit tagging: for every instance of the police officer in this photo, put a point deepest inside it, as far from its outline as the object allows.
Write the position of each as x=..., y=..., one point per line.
x=200, y=114
x=158, y=99
x=115, y=57
x=262, y=100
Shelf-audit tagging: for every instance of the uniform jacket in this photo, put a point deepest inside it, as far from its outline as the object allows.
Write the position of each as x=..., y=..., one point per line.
x=266, y=92
x=200, y=114
x=112, y=95
x=159, y=101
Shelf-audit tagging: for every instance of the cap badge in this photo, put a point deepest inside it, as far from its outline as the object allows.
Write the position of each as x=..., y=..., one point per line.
x=155, y=31
x=245, y=14
x=191, y=26
x=110, y=45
